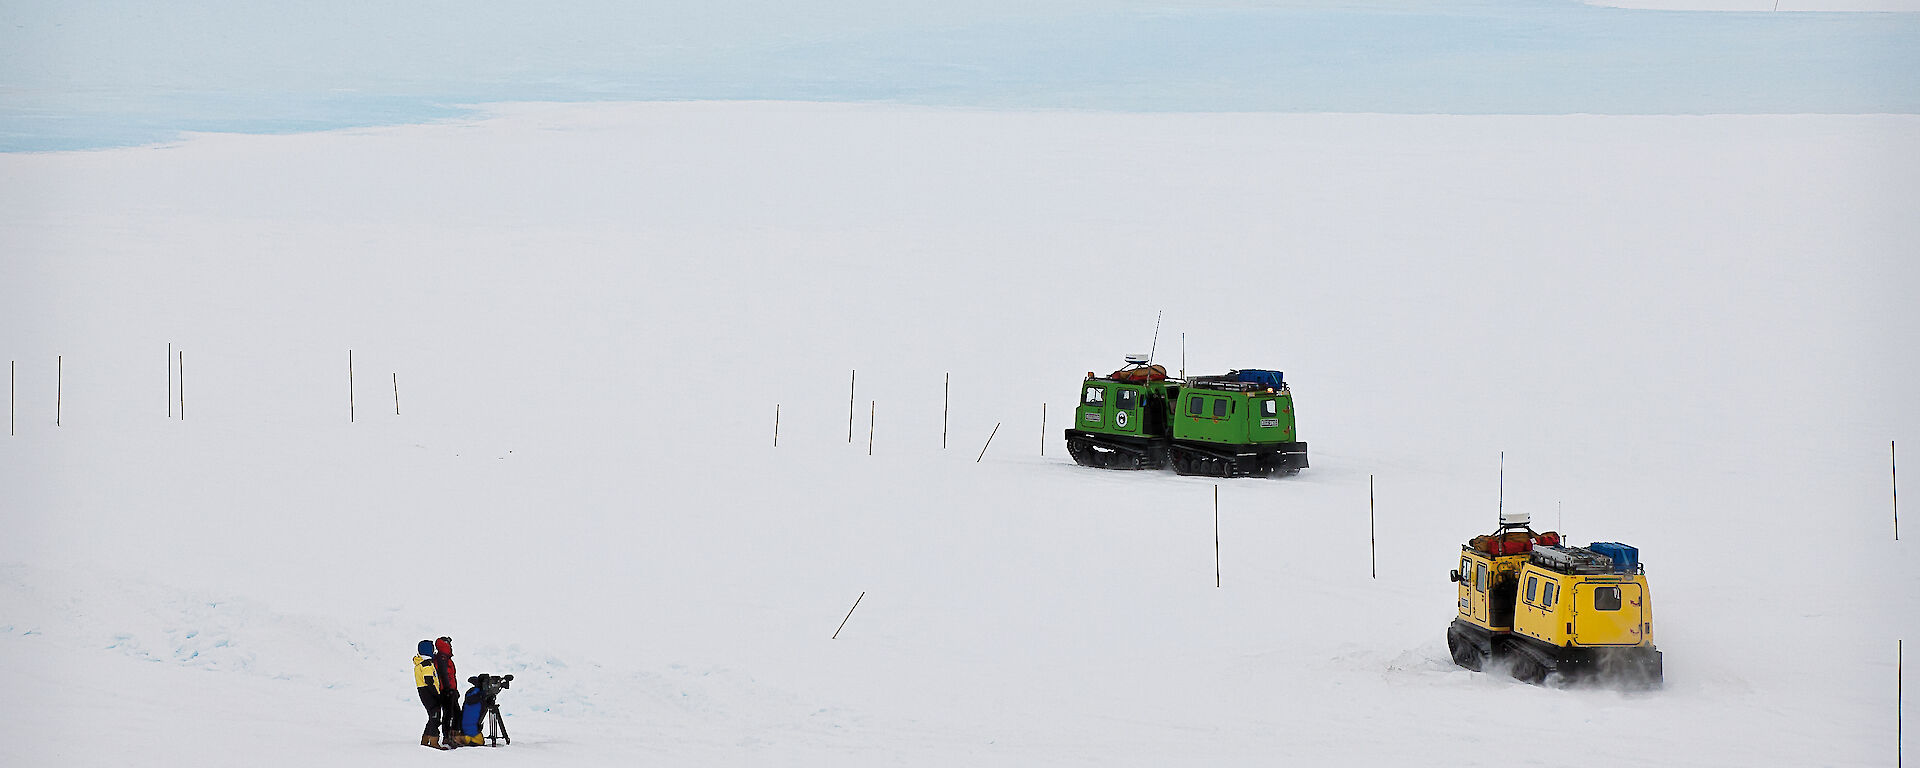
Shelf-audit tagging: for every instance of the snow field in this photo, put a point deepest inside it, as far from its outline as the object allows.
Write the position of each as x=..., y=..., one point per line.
x=1688, y=331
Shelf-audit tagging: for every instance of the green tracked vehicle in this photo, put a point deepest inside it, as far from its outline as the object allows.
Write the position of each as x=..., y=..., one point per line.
x=1234, y=425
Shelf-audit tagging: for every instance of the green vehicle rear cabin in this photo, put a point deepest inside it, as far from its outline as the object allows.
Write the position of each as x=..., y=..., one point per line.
x=1233, y=425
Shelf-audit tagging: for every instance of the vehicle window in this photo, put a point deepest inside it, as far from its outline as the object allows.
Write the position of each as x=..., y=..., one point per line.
x=1220, y=408
x=1127, y=398
x=1270, y=407
x=1096, y=395
x=1606, y=599
x=1532, y=582
x=1552, y=591
x=1194, y=404
x=1480, y=576
x=1466, y=568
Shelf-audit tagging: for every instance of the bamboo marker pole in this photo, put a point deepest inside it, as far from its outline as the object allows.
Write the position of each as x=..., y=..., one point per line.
x=1043, y=429
x=843, y=622
x=349, y=386
x=1373, y=546
x=776, y=425
x=1216, y=535
x=946, y=395
x=59, y=386
x=183, y=384
x=169, y=379
x=1893, y=465
x=10, y=365
x=872, y=407
x=396, y=394
x=983, y=448
x=851, y=375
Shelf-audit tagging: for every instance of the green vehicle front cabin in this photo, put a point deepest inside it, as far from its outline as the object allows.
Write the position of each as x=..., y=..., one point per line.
x=1234, y=425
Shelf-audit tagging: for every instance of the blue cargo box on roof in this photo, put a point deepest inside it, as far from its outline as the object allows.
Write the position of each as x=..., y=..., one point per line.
x=1274, y=379
x=1625, y=559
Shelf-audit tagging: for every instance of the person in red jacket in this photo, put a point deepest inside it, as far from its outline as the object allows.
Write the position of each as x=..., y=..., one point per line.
x=449, y=683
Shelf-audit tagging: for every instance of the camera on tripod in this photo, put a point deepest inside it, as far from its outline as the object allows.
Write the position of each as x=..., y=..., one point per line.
x=482, y=719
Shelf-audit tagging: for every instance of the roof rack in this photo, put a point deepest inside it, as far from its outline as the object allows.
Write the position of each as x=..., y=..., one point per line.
x=1229, y=384
x=1574, y=560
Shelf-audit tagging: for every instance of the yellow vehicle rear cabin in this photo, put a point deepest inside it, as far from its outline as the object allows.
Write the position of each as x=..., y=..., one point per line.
x=1541, y=609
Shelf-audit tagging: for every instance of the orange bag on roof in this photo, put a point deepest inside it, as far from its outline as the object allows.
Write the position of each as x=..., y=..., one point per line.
x=1139, y=375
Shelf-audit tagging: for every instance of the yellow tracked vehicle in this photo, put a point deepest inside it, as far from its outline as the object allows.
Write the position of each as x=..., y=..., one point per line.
x=1541, y=610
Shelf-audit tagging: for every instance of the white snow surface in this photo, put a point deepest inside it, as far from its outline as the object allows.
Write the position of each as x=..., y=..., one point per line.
x=1691, y=334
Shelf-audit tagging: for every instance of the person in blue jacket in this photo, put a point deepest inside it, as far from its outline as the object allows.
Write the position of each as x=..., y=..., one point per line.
x=472, y=711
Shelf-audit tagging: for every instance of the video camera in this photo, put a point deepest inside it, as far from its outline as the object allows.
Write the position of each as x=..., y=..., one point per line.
x=491, y=685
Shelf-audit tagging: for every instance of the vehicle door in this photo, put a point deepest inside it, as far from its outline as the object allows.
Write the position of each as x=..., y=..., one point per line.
x=1267, y=424
x=1126, y=404
x=1608, y=613
x=1473, y=589
x=1095, y=411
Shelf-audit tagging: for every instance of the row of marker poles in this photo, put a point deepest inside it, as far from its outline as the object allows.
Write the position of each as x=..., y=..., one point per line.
x=395, y=377
x=59, y=390
x=177, y=361
x=177, y=368
x=176, y=374
x=872, y=416
x=853, y=378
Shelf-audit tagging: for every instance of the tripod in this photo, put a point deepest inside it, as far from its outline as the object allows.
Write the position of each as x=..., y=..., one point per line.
x=493, y=727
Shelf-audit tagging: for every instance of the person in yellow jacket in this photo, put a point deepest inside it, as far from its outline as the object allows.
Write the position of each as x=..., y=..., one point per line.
x=426, y=678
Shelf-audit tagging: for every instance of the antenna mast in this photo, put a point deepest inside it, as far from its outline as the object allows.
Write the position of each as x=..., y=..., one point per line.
x=1503, y=487
x=1156, y=337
